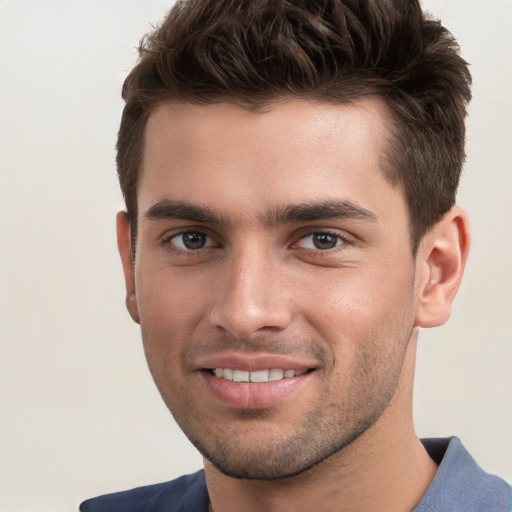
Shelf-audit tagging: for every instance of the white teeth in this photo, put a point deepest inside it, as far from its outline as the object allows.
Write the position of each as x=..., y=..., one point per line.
x=256, y=376
x=275, y=374
x=240, y=376
x=260, y=376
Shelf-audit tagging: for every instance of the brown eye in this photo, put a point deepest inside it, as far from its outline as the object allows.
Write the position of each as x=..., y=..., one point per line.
x=191, y=240
x=321, y=241
x=324, y=241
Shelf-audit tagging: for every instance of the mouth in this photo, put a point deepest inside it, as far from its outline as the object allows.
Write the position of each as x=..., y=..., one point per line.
x=258, y=376
x=243, y=380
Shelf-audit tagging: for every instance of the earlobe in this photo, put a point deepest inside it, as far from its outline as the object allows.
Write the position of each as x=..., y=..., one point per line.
x=125, y=251
x=440, y=265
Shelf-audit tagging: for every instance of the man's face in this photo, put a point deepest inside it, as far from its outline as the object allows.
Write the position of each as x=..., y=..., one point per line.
x=272, y=249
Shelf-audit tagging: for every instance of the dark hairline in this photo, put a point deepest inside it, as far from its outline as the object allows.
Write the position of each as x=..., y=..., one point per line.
x=384, y=164
x=332, y=51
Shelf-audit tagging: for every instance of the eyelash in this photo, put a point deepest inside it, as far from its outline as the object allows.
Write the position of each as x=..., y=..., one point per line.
x=168, y=241
x=342, y=241
x=341, y=244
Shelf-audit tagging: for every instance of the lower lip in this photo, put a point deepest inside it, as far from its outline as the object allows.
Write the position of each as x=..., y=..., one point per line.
x=253, y=395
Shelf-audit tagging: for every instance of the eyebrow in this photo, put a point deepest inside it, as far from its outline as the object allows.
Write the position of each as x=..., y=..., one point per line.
x=305, y=212
x=169, y=209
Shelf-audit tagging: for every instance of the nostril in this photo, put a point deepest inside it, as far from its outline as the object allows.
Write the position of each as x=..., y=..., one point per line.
x=244, y=322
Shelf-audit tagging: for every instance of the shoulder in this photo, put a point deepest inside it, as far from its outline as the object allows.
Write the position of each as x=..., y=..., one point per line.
x=461, y=484
x=187, y=493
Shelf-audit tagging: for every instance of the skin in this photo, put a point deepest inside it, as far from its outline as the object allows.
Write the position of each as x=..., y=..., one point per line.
x=341, y=295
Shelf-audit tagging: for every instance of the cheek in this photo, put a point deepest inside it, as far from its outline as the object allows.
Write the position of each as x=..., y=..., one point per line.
x=168, y=293
x=171, y=307
x=362, y=304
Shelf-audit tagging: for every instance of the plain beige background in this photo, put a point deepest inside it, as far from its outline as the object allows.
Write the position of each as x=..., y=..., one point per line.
x=79, y=414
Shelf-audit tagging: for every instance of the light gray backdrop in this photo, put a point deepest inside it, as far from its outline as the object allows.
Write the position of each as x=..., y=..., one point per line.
x=79, y=414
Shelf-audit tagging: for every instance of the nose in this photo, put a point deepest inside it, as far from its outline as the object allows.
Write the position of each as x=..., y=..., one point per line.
x=250, y=297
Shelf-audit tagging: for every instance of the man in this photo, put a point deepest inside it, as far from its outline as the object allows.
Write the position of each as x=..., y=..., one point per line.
x=289, y=169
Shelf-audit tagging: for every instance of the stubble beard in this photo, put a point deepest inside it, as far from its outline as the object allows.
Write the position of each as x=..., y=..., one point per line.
x=268, y=453
x=279, y=458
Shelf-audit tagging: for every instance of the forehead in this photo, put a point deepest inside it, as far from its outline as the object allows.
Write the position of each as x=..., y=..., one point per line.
x=294, y=152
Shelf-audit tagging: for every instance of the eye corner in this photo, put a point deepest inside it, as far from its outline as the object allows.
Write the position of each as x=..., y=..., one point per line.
x=187, y=241
x=321, y=240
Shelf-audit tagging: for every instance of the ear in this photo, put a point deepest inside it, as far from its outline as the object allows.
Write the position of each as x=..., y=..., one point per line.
x=440, y=264
x=125, y=251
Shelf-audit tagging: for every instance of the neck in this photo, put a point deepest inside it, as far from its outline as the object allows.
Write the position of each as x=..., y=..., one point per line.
x=385, y=469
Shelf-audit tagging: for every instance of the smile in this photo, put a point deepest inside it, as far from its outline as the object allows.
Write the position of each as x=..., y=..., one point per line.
x=263, y=385
x=271, y=375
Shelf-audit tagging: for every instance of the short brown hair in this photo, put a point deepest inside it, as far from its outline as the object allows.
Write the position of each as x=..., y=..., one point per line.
x=253, y=52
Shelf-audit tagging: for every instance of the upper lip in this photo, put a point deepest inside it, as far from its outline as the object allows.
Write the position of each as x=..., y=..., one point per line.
x=254, y=362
